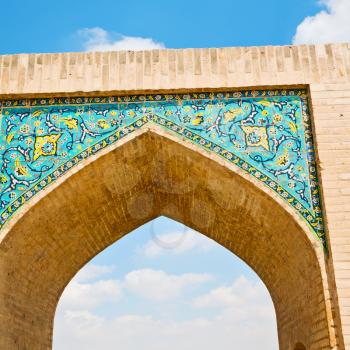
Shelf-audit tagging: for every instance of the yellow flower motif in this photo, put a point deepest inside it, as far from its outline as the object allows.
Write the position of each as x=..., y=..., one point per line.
x=283, y=159
x=102, y=124
x=113, y=113
x=131, y=113
x=277, y=117
x=45, y=145
x=187, y=108
x=256, y=136
x=37, y=123
x=72, y=123
x=168, y=112
x=264, y=113
x=198, y=119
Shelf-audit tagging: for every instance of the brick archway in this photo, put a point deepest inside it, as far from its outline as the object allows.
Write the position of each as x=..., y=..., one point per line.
x=148, y=174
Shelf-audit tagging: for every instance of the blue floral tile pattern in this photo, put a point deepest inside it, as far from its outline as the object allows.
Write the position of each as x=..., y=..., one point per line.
x=266, y=133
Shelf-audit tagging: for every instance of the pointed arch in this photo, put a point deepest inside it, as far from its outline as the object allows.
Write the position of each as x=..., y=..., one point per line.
x=148, y=174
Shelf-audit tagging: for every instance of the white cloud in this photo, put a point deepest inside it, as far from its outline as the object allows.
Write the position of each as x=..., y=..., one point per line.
x=177, y=242
x=92, y=271
x=82, y=321
x=88, y=296
x=133, y=332
x=240, y=324
x=83, y=294
x=158, y=285
x=243, y=296
x=87, y=290
x=329, y=25
x=98, y=39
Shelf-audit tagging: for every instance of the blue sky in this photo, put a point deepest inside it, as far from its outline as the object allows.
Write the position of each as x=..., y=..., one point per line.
x=165, y=286
x=53, y=26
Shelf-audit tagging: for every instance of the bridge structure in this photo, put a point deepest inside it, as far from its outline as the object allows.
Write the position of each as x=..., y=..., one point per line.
x=249, y=146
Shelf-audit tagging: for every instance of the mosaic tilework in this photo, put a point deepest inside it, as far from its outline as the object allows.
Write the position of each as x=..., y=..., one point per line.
x=266, y=133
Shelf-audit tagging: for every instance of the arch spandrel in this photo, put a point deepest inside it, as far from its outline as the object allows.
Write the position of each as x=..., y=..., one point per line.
x=267, y=134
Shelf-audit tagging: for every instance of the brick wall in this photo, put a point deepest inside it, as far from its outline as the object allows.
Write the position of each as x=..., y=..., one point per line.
x=325, y=69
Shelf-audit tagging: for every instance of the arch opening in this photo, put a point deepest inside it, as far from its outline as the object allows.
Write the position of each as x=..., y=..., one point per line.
x=149, y=176
x=165, y=286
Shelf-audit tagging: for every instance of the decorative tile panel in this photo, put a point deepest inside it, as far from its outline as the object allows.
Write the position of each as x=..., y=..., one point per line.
x=266, y=133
